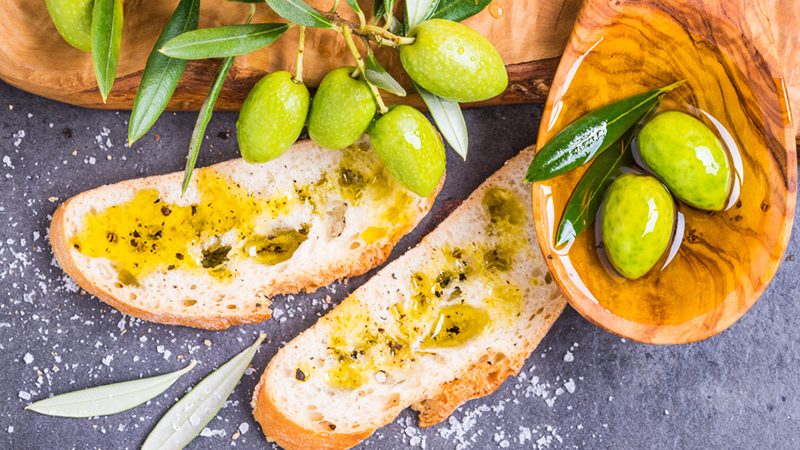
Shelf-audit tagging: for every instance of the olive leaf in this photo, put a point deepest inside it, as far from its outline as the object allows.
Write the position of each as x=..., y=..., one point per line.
x=379, y=9
x=206, y=111
x=297, y=11
x=417, y=11
x=585, y=200
x=382, y=9
x=582, y=140
x=106, y=39
x=161, y=73
x=199, y=131
x=449, y=118
x=108, y=399
x=380, y=77
x=184, y=421
x=458, y=10
x=221, y=42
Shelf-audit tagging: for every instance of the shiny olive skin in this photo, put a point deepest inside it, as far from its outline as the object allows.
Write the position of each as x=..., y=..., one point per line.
x=410, y=148
x=272, y=117
x=341, y=111
x=637, y=223
x=454, y=61
x=688, y=157
x=73, y=20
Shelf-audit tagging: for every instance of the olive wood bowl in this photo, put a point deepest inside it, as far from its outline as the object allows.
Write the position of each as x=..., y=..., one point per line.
x=726, y=259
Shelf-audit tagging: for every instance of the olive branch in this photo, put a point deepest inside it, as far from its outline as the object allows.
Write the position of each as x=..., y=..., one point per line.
x=181, y=41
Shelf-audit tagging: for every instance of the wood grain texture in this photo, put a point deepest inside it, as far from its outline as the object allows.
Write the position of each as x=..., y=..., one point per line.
x=726, y=259
x=33, y=56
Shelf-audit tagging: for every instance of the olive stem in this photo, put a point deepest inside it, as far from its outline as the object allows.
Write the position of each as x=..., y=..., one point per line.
x=389, y=19
x=335, y=6
x=301, y=44
x=376, y=33
x=251, y=14
x=362, y=21
x=351, y=44
x=381, y=33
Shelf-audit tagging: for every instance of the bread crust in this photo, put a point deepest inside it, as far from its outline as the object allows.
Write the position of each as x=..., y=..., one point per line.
x=371, y=257
x=292, y=436
x=480, y=380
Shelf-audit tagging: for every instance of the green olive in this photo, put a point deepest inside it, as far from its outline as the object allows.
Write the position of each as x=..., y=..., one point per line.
x=272, y=117
x=341, y=111
x=454, y=61
x=73, y=20
x=637, y=222
x=688, y=157
x=410, y=148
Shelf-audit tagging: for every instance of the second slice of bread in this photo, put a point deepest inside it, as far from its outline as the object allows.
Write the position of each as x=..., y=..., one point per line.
x=446, y=322
x=241, y=234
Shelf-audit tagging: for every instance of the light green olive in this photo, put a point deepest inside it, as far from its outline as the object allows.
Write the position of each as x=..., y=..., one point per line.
x=272, y=117
x=341, y=111
x=688, y=157
x=410, y=148
x=73, y=20
x=637, y=223
x=454, y=61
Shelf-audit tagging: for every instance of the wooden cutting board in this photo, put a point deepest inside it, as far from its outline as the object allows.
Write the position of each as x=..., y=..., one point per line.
x=530, y=34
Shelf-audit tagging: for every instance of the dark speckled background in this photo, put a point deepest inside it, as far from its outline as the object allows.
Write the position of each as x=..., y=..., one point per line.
x=583, y=388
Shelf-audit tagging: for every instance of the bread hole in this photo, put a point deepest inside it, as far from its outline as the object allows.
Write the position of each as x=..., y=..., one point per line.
x=118, y=285
x=393, y=400
x=133, y=296
x=312, y=407
x=355, y=245
x=219, y=298
x=330, y=426
x=316, y=417
x=189, y=302
x=337, y=220
x=231, y=306
x=381, y=377
x=193, y=287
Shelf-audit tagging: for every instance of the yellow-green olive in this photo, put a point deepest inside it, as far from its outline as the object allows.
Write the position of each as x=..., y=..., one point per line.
x=341, y=111
x=454, y=61
x=636, y=224
x=688, y=157
x=73, y=20
x=272, y=117
x=410, y=148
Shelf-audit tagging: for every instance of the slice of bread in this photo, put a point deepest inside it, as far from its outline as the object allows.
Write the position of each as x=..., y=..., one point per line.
x=447, y=322
x=241, y=234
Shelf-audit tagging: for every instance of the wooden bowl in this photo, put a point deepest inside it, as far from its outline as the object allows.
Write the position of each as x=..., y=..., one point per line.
x=726, y=259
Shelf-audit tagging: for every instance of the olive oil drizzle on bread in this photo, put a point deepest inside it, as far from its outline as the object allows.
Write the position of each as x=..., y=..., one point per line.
x=242, y=234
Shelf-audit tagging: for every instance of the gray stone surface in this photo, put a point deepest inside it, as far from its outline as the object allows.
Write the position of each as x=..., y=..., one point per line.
x=583, y=387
